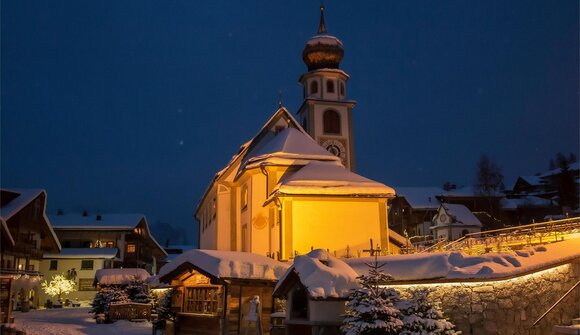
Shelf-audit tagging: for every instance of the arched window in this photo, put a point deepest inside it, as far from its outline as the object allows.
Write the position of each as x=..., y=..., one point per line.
x=342, y=88
x=331, y=122
x=244, y=197
x=330, y=86
x=314, y=87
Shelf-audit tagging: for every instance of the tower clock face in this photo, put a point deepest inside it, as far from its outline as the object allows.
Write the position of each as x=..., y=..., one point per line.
x=335, y=147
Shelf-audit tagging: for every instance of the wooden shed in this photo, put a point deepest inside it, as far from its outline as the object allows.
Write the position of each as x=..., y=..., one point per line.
x=222, y=292
x=316, y=288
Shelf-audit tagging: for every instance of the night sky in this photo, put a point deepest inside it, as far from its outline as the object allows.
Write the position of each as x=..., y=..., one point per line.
x=132, y=106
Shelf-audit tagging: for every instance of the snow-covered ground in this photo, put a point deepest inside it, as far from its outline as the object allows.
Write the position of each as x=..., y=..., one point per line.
x=73, y=321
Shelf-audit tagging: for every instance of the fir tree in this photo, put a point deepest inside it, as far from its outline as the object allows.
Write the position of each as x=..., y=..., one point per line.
x=422, y=317
x=106, y=296
x=370, y=309
x=137, y=292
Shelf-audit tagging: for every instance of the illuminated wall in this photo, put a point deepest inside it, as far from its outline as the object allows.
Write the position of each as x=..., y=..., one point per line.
x=334, y=224
x=509, y=306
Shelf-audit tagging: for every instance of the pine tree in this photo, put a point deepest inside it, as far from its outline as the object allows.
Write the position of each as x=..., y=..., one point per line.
x=424, y=317
x=137, y=292
x=370, y=309
x=106, y=296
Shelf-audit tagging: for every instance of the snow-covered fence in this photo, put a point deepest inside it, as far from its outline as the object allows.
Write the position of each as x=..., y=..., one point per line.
x=129, y=311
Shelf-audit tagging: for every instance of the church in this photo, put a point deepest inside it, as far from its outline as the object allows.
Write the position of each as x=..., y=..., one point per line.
x=293, y=188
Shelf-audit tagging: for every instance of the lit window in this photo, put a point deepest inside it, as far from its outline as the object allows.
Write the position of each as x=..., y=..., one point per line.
x=87, y=264
x=131, y=248
x=202, y=300
x=330, y=86
x=331, y=122
x=53, y=265
x=109, y=244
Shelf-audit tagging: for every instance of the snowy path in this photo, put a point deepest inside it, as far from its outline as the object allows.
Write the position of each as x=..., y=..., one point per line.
x=73, y=321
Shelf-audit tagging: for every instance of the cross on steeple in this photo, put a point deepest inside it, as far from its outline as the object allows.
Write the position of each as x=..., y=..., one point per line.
x=322, y=25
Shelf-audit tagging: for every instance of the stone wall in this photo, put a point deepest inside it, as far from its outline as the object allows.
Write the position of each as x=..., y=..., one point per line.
x=510, y=307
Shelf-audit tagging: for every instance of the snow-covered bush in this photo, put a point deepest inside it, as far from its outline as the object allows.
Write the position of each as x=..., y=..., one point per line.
x=371, y=308
x=424, y=317
x=137, y=292
x=106, y=296
x=58, y=286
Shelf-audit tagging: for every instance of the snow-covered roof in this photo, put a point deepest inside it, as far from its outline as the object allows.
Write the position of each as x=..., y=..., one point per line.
x=421, y=197
x=322, y=275
x=527, y=201
x=532, y=180
x=120, y=276
x=457, y=265
x=324, y=39
x=76, y=253
x=23, y=198
x=289, y=143
x=330, y=178
x=461, y=214
x=282, y=112
x=227, y=264
x=96, y=221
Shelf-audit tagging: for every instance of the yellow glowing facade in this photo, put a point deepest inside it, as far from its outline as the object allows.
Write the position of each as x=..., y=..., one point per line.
x=292, y=187
x=253, y=205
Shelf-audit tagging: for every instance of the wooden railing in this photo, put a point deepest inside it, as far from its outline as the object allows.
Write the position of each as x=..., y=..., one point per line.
x=506, y=238
x=129, y=311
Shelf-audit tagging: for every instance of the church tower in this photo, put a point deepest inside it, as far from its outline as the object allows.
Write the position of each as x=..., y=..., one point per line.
x=326, y=114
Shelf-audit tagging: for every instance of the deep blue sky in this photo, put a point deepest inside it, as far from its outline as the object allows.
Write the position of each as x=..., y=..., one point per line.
x=132, y=106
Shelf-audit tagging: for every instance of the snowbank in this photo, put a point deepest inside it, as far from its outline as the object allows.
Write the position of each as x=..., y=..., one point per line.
x=322, y=275
x=229, y=264
x=120, y=276
x=457, y=265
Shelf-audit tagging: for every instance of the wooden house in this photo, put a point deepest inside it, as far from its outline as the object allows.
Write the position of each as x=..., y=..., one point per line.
x=222, y=292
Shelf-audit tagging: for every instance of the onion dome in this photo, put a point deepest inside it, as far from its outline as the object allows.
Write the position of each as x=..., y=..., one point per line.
x=322, y=51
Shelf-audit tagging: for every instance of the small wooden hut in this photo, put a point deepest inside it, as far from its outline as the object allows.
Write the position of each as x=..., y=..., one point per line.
x=316, y=288
x=222, y=292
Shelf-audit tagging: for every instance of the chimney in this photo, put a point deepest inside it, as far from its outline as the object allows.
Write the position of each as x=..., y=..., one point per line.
x=99, y=217
x=85, y=213
x=59, y=212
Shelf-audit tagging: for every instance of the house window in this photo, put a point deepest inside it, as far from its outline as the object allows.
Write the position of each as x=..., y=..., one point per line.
x=131, y=248
x=331, y=122
x=244, y=204
x=330, y=86
x=109, y=244
x=314, y=87
x=202, y=300
x=53, y=265
x=86, y=284
x=341, y=88
x=87, y=264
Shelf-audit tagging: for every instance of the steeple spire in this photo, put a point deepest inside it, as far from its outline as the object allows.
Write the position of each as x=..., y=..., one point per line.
x=322, y=25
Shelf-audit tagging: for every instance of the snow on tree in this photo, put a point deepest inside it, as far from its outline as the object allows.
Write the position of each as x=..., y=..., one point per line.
x=424, y=317
x=58, y=286
x=370, y=309
x=106, y=296
x=137, y=292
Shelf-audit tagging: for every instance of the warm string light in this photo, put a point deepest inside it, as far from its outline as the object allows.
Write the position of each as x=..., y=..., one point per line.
x=564, y=267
